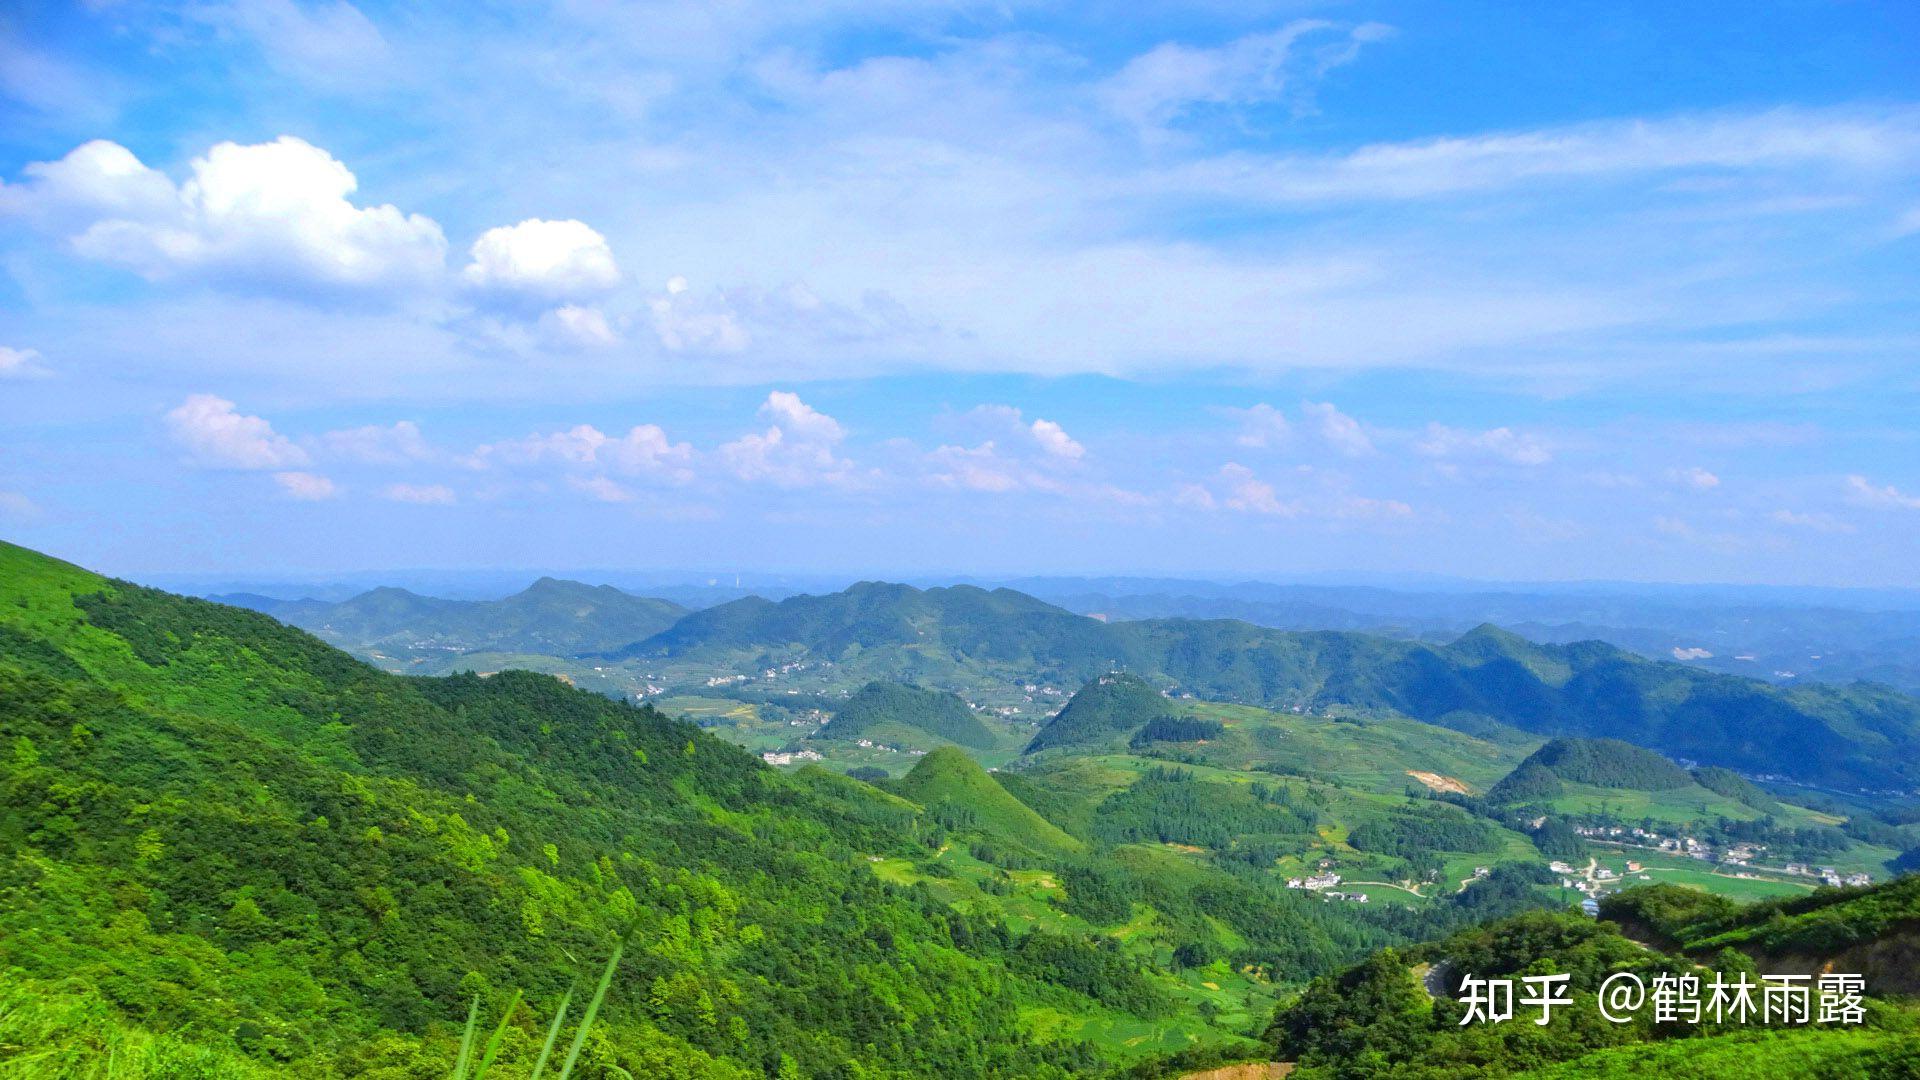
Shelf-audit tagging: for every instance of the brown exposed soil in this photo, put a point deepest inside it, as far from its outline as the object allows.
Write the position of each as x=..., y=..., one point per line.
x=1263, y=1070
x=1440, y=783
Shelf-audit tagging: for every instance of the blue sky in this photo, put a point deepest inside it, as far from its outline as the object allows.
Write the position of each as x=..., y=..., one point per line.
x=1495, y=290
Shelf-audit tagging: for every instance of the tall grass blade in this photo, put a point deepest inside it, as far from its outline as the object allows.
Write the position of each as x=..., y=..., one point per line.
x=466, y=1040
x=593, y=1006
x=553, y=1031
x=493, y=1043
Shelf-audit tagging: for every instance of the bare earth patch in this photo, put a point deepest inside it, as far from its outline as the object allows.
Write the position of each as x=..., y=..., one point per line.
x=1265, y=1070
x=1440, y=783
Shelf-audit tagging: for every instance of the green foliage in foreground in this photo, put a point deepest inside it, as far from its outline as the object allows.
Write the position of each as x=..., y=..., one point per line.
x=214, y=825
x=1376, y=1019
x=1822, y=924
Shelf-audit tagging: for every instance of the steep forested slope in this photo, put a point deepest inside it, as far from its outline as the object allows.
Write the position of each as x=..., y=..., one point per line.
x=215, y=824
x=1397, y=1014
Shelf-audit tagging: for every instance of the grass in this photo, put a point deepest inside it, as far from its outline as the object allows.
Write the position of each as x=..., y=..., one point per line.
x=464, y=1062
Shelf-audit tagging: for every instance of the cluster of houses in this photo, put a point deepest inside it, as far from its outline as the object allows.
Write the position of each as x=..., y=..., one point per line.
x=1325, y=880
x=1828, y=875
x=1741, y=854
x=785, y=757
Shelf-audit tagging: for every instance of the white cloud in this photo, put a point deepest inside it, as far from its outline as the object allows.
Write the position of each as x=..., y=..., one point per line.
x=581, y=326
x=217, y=435
x=1693, y=477
x=1249, y=493
x=686, y=322
x=331, y=44
x=549, y=260
x=796, y=450
x=1340, y=431
x=1261, y=426
x=1816, y=522
x=802, y=420
x=1055, y=441
x=306, y=486
x=973, y=468
x=419, y=494
x=1863, y=492
x=1764, y=141
x=601, y=488
x=375, y=445
x=21, y=364
x=272, y=213
x=1502, y=444
x=1173, y=80
x=644, y=451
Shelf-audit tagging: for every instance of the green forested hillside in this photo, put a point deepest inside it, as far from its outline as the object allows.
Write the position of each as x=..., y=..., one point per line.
x=215, y=825
x=877, y=705
x=1397, y=1014
x=967, y=800
x=1105, y=712
x=1607, y=763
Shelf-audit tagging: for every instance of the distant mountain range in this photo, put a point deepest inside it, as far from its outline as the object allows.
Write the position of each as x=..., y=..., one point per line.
x=1855, y=736
x=551, y=616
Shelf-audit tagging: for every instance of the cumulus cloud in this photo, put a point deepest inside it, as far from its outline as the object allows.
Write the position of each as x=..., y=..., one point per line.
x=419, y=494
x=973, y=468
x=393, y=444
x=306, y=486
x=644, y=451
x=573, y=324
x=543, y=260
x=1055, y=441
x=1249, y=493
x=1863, y=492
x=1500, y=444
x=1693, y=477
x=686, y=322
x=602, y=488
x=796, y=450
x=1237, y=487
x=215, y=433
x=275, y=212
x=1261, y=426
x=21, y=364
x=1337, y=429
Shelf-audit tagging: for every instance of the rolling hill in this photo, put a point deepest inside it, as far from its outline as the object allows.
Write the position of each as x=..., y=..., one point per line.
x=1104, y=713
x=880, y=706
x=954, y=785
